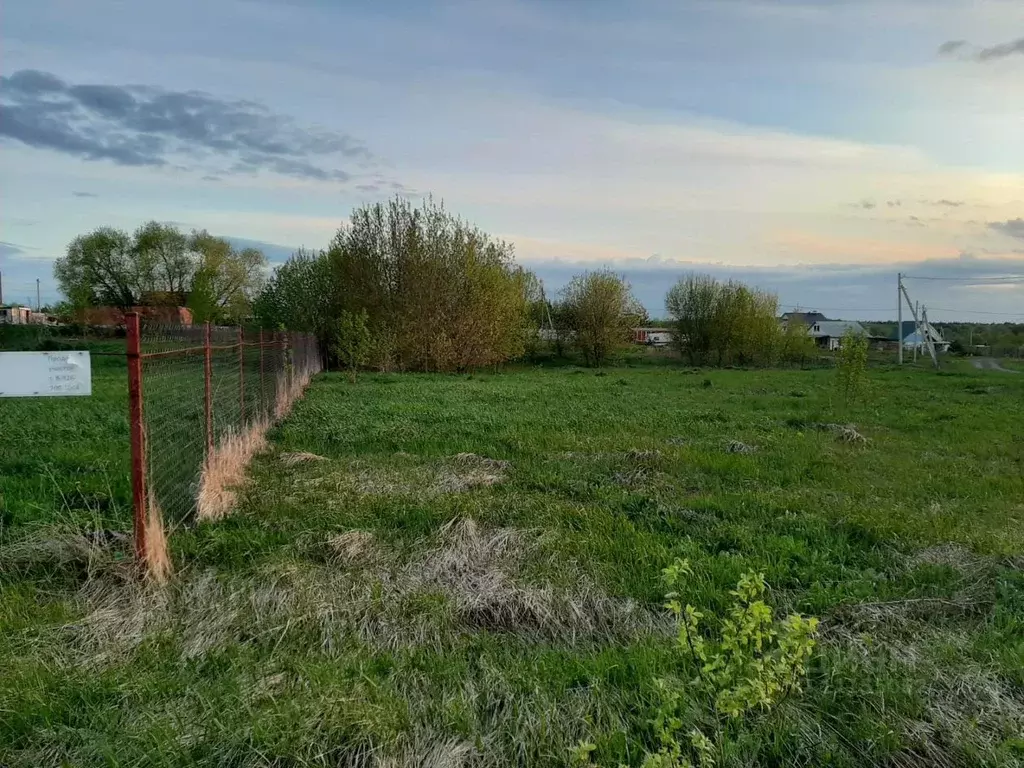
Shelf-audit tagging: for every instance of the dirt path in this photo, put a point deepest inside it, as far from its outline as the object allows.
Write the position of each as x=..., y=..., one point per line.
x=990, y=364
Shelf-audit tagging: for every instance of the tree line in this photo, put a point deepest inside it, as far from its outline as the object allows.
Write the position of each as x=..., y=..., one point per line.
x=414, y=287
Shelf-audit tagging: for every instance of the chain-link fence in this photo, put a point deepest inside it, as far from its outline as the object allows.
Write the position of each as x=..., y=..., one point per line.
x=201, y=401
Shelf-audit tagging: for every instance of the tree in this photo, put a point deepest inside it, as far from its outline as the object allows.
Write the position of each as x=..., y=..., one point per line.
x=158, y=265
x=226, y=280
x=602, y=312
x=729, y=322
x=439, y=293
x=694, y=303
x=100, y=268
x=797, y=345
x=353, y=341
x=299, y=295
x=169, y=265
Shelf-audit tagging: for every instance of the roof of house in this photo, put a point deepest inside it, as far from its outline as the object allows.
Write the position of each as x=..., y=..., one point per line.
x=835, y=327
x=804, y=317
x=910, y=329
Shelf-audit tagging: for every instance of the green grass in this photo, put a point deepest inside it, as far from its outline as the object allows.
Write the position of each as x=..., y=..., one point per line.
x=394, y=600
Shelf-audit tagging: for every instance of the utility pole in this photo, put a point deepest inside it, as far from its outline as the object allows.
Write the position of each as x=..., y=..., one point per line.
x=899, y=313
x=1, y=288
x=916, y=328
x=39, y=306
x=928, y=337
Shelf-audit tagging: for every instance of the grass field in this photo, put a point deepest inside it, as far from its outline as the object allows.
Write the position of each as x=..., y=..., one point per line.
x=452, y=570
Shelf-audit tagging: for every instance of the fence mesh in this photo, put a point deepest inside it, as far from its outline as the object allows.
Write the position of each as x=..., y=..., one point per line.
x=209, y=395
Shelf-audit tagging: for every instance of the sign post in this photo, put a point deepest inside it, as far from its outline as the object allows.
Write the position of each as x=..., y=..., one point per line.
x=45, y=374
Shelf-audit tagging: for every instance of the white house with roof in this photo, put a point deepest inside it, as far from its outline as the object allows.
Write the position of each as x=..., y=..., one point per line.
x=827, y=334
x=915, y=339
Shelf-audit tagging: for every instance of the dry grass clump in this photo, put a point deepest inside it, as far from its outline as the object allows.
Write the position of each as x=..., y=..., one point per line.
x=458, y=474
x=353, y=547
x=735, y=446
x=461, y=580
x=639, y=454
x=224, y=471
x=300, y=457
x=88, y=554
x=475, y=460
x=846, y=433
x=290, y=386
x=158, y=567
x=948, y=554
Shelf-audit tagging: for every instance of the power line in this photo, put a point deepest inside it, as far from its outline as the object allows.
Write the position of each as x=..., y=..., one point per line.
x=815, y=308
x=979, y=312
x=808, y=308
x=999, y=279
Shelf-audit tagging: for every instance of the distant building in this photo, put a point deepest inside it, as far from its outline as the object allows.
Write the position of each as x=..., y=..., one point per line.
x=655, y=337
x=914, y=339
x=41, y=318
x=12, y=315
x=807, y=318
x=113, y=316
x=828, y=334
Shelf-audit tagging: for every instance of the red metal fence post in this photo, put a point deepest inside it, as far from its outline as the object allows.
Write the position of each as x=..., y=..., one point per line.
x=208, y=388
x=241, y=378
x=133, y=348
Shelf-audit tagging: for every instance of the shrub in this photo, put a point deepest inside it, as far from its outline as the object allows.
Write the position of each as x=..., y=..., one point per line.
x=724, y=322
x=852, y=365
x=600, y=310
x=749, y=664
x=352, y=342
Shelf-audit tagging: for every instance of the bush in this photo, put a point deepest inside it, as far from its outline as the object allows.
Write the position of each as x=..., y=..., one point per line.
x=724, y=323
x=600, y=312
x=437, y=293
x=352, y=342
x=747, y=665
x=446, y=295
x=852, y=365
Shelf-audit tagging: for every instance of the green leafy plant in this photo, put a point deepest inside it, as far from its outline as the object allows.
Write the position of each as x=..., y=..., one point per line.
x=352, y=343
x=852, y=365
x=751, y=664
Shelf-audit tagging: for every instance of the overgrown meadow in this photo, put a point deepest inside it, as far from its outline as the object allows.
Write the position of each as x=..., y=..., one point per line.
x=447, y=570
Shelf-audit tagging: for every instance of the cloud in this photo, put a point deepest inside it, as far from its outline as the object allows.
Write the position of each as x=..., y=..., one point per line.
x=1002, y=51
x=1012, y=227
x=275, y=252
x=10, y=249
x=84, y=194
x=138, y=125
x=944, y=202
x=211, y=177
x=991, y=53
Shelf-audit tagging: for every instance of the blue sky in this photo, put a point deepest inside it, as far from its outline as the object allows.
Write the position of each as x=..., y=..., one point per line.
x=814, y=148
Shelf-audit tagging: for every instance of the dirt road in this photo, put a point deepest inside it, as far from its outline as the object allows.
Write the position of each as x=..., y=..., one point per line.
x=990, y=364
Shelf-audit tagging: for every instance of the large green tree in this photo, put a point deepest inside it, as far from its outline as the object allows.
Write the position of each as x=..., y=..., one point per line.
x=438, y=294
x=160, y=265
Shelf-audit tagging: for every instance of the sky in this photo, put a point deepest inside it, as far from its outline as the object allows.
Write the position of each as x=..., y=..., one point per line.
x=812, y=148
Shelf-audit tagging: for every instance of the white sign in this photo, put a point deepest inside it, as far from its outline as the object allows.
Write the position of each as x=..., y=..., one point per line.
x=45, y=374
